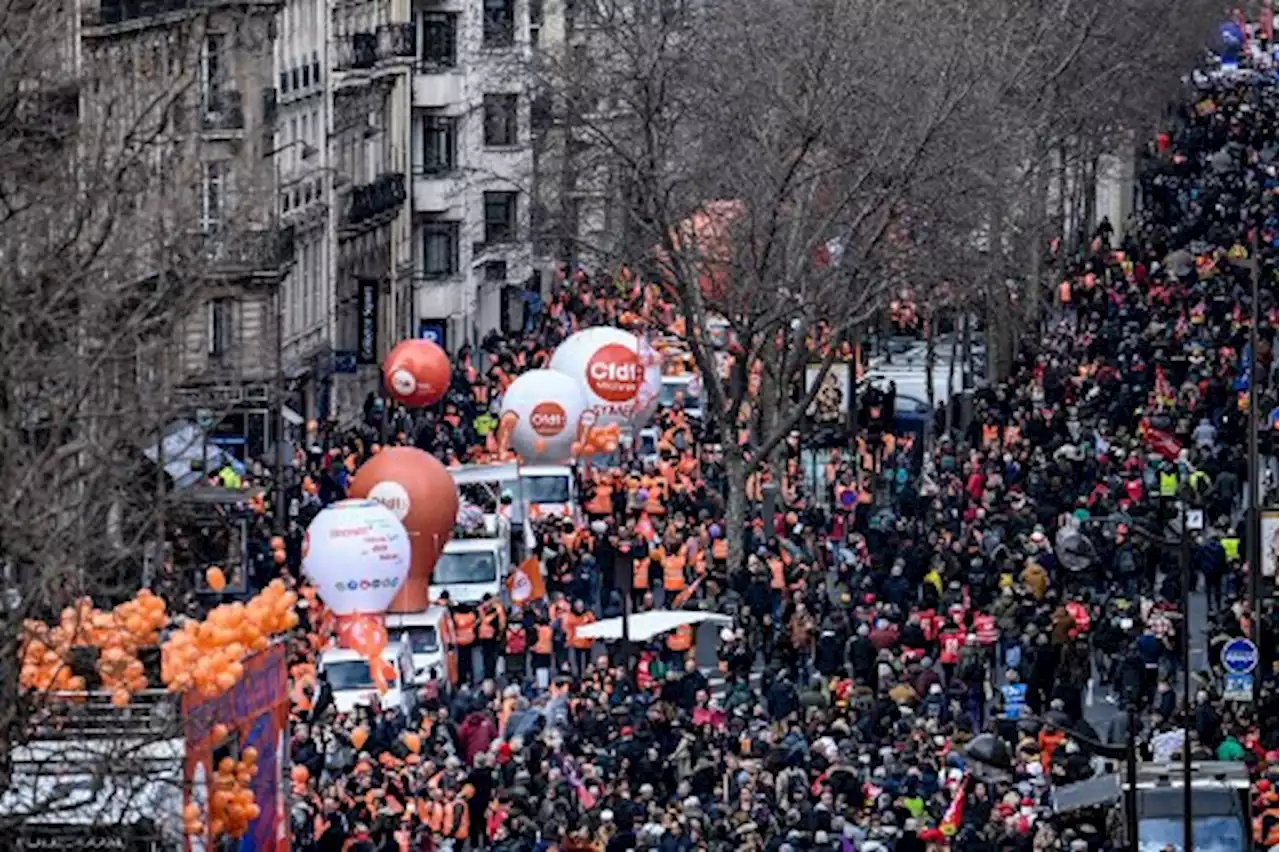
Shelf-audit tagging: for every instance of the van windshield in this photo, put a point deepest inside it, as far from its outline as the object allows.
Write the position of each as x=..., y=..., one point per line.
x=351, y=674
x=546, y=489
x=423, y=640
x=1210, y=834
x=479, y=567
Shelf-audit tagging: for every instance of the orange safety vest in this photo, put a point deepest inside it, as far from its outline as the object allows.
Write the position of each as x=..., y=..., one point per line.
x=464, y=629
x=681, y=639
x=602, y=501
x=777, y=574
x=456, y=822
x=673, y=573
x=572, y=623
x=490, y=622
x=720, y=549
x=990, y=434
x=543, y=643
x=640, y=573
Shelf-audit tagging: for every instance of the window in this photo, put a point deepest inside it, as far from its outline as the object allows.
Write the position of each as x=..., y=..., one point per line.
x=499, y=217
x=214, y=73
x=499, y=23
x=440, y=249
x=500, y=120
x=439, y=143
x=495, y=271
x=219, y=331
x=214, y=197
x=439, y=40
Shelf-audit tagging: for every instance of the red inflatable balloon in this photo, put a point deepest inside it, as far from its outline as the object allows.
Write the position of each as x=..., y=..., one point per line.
x=417, y=373
x=416, y=487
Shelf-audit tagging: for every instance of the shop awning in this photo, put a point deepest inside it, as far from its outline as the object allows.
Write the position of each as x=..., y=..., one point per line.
x=186, y=449
x=643, y=626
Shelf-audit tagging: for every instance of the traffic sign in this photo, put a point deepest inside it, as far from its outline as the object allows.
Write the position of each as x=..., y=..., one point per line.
x=205, y=419
x=1239, y=656
x=1237, y=687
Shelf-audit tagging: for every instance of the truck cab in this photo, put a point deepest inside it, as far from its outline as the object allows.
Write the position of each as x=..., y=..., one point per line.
x=475, y=562
x=352, y=682
x=549, y=489
x=429, y=637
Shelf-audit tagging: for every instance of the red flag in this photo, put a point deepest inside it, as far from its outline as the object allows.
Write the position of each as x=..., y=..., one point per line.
x=1163, y=443
x=1164, y=388
x=954, y=817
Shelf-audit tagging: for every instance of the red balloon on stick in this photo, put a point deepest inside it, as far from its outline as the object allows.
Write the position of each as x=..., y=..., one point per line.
x=417, y=373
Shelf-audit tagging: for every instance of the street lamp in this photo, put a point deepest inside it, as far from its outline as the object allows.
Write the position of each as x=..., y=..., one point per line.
x=309, y=152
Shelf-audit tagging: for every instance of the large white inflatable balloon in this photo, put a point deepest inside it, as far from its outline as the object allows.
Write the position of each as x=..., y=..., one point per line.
x=542, y=416
x=356, y=553
x=619, y=373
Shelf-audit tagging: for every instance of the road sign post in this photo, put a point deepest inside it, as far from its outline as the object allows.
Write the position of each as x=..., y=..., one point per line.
x=1239, y=659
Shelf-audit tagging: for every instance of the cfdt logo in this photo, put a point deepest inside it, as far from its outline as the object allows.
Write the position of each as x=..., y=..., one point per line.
x=615, y=373
x=548, y=419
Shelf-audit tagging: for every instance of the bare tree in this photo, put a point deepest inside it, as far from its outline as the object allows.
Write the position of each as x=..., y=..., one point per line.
x=104, y=267
x=766, y=156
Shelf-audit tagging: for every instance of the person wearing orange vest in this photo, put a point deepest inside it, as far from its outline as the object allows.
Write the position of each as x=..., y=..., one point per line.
x=674, y=580
x=464, y=636
x=490, y=630
x=543, y=651
x=579, y=646
x=679, y=643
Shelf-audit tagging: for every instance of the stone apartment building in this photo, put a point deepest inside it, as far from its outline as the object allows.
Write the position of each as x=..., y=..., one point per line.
x=196, y=82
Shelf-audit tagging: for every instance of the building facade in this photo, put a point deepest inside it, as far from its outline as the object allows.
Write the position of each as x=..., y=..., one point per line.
x=472, y=165
x=196, y=81
x=343, y=140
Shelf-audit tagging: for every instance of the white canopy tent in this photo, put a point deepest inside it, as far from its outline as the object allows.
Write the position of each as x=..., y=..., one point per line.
x=643, y=626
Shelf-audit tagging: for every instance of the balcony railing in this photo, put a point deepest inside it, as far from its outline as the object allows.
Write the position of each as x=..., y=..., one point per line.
x=370, y=201
x=396, y=41
x=222, y=110
x=356, y=51
x=246, y=251
x=105, y=13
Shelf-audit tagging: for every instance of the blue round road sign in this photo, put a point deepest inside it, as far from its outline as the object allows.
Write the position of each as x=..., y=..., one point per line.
x=1240, y=656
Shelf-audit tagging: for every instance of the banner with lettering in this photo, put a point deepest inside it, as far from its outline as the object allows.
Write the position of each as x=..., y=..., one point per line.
x=255, y=712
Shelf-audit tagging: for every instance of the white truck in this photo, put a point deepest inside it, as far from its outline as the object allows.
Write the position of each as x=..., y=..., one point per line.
x=475, y=562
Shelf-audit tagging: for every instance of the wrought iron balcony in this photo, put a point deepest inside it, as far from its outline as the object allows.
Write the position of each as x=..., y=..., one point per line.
x=222, y=110
x=369, y=202
x=240, y=251
x=357, y=51
x=396, y=41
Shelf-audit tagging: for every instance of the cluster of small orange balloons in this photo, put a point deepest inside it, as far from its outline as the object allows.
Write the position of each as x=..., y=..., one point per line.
x=117, y=634
x=232, y=805
x=598, y=439
x=207, y=655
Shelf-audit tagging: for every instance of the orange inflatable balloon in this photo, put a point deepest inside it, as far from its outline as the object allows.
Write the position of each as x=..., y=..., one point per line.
x=415, y=486
x=417, y=373
x=359, y=737
x=366, y=634
x=215, y=578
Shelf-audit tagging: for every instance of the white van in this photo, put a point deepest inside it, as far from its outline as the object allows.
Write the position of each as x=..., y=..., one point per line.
x=348, y=674
x=549, y=489
x=429, y=637
x=687, y=388
x=470, y=568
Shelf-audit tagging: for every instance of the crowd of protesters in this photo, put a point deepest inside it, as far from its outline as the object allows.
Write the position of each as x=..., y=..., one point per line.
x=882, y=619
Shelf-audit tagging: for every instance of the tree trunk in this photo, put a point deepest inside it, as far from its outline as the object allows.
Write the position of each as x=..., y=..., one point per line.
x=735, y=516
x=930, y=360
x=956, y=336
